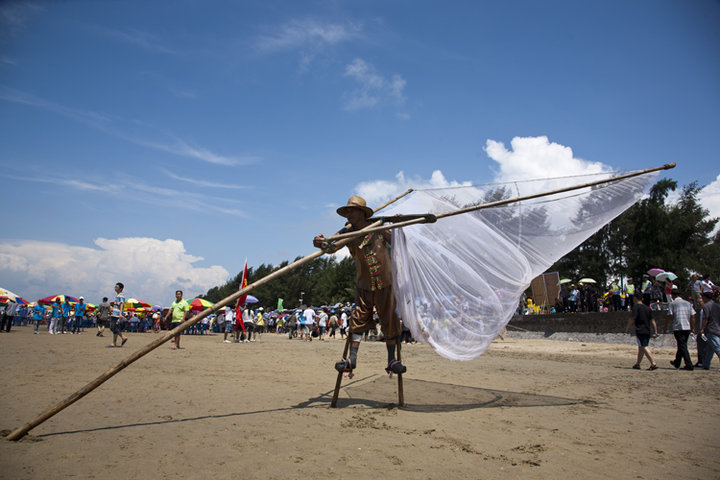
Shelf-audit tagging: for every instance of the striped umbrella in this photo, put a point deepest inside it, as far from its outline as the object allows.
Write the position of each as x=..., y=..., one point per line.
x=200, y=304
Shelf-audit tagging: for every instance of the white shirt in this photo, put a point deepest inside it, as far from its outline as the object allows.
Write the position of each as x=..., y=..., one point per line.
x=322, y=319
x=681, y=311
x=343, y=320
x=309, y=315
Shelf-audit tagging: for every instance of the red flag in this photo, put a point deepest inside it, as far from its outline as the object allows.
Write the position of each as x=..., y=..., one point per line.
x=241, y=301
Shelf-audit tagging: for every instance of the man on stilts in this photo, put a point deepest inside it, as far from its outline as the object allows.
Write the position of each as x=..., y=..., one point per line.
x=373, y=285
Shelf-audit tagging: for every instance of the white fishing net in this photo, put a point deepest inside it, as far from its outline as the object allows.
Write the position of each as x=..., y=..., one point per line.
x=458, y=281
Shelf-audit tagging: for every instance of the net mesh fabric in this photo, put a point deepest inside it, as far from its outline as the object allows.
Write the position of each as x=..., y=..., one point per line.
x=458, y=281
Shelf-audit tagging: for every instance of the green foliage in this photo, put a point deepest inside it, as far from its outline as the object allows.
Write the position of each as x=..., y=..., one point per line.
x=651, y=233
x=323, y=281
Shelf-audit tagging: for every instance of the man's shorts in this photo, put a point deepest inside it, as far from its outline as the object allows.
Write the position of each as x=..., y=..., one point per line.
x=306, y=328
x=229, y=327
x=114, y=325
x=643, y=339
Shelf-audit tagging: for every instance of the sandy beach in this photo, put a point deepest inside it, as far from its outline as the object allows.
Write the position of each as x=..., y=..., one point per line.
x=525, y=409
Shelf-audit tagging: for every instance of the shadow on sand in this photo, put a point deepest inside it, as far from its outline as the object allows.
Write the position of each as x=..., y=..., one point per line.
x=378, y=392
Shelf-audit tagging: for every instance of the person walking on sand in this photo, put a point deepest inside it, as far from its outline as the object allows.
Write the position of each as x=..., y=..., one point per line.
x=710, y=329
x=103, y=315
x=683, y=316
x=643, y=318
x=179, y=310
x=308, y=323
x=373, y=284
x=116, y=316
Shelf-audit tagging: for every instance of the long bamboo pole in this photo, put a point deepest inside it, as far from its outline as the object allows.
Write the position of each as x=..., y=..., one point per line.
x=428, y=218
x=22, y=431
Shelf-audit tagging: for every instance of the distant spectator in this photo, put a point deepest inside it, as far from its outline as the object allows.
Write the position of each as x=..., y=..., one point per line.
x=710, y=328
x=646, y=289
x=80, y=308
x=178, y=312
x=103, y=316
x=8, y=317
x=38, y=312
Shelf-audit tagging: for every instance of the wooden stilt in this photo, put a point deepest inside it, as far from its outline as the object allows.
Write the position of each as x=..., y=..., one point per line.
x=401, y=393
x=333, y=403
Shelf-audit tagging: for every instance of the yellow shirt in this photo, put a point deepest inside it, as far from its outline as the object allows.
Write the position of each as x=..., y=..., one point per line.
x=178, y=310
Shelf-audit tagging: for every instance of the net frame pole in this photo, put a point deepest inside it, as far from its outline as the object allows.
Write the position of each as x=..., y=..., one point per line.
x=429, y=218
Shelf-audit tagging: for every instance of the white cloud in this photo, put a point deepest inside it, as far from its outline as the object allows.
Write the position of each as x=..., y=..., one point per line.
x=530, y=158
x=205, y=183
x=124, y=186
x=144, y=40
x=151, y=269
x=536, y=157
x=182, y=148
x=109, y=125
x=373, y=88
x=14, y=16
x=377, y=192
x=709, y=198
x=306, y=34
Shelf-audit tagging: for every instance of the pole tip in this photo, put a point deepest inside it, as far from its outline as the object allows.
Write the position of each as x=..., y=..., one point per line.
x=668, y=166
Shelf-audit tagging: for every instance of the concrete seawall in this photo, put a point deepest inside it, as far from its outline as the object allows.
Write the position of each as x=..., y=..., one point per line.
x=606, y=322
x=589, y=327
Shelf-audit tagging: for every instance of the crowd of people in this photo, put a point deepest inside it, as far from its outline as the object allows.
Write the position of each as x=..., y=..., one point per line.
x=617, y=296
x=694, y=313
x=239, y=325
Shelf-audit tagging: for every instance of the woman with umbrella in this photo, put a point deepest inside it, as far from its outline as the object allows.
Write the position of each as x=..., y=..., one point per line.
x=667, y=278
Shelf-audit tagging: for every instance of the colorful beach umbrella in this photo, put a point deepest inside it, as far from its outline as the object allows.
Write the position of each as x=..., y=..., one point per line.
x=135, y=303
x=57, y=298
x=200, y=304
x=9, y=295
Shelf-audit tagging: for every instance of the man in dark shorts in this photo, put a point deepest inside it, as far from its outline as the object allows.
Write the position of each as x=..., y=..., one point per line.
x=642, y=317
x=373, y=285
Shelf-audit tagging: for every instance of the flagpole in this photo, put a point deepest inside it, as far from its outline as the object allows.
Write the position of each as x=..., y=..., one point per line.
x=50, y=412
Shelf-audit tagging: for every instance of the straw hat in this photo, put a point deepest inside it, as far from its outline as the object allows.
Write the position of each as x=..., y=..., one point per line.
x=355, y=202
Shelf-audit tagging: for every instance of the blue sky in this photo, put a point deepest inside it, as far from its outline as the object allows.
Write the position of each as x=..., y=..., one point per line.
x=162, y=143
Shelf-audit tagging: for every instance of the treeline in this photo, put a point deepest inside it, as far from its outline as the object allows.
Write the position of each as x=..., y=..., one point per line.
x=324, y=281
x=652, y=233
